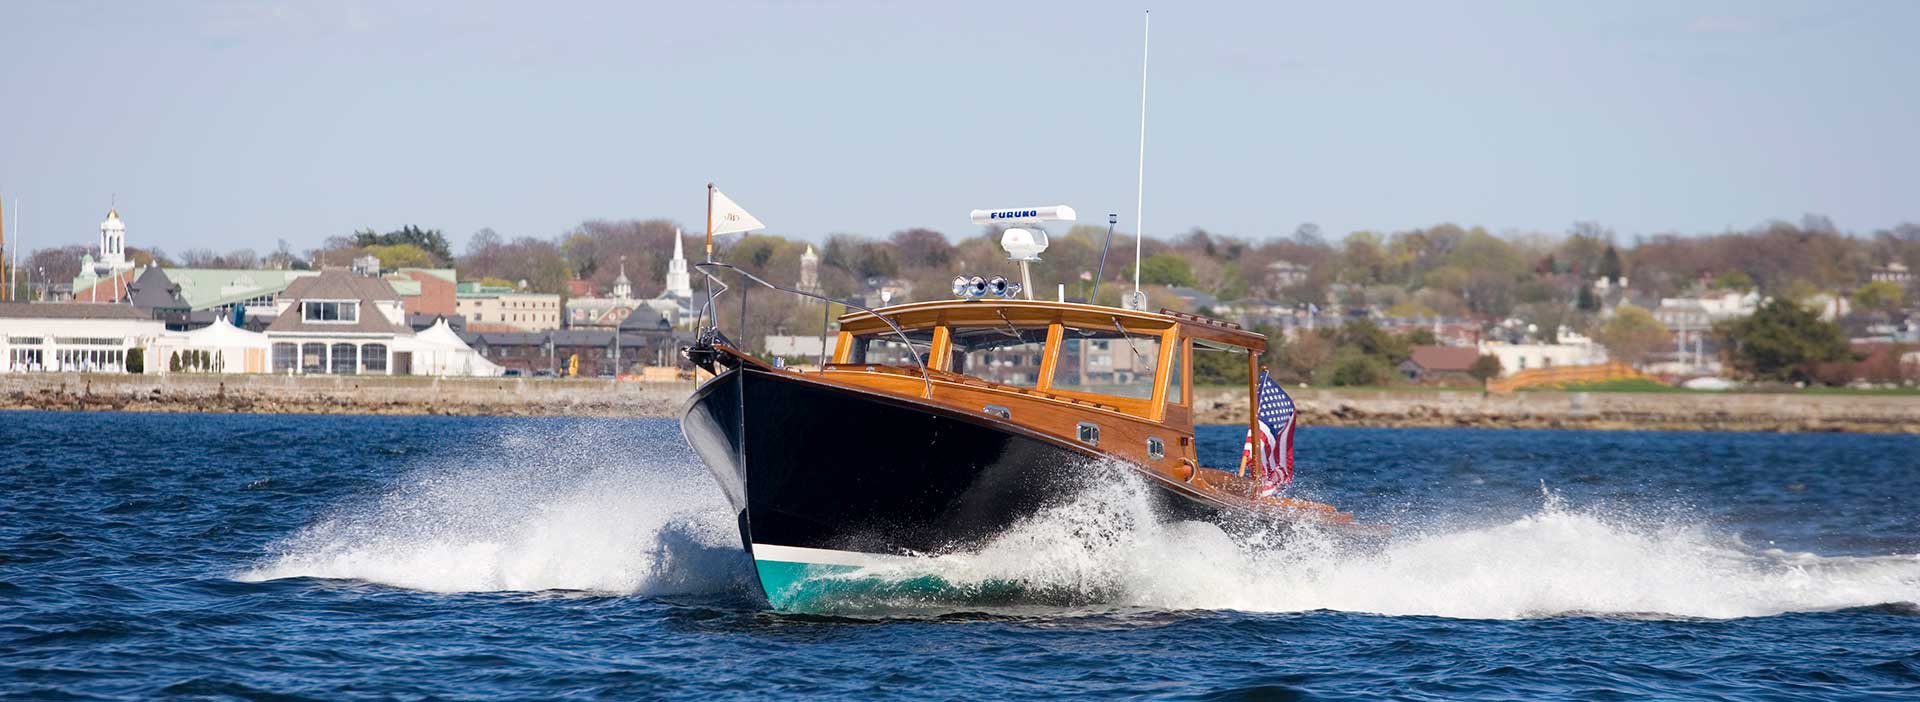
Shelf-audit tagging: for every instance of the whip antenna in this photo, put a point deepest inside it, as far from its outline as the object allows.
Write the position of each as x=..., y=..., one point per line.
x=1137, y=300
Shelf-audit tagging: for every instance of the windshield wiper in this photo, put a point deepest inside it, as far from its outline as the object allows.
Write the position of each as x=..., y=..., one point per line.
x=1128, y=337
x=1012, y=331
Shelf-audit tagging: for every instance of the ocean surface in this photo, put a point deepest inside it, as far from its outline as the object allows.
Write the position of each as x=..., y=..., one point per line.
x=336, y=558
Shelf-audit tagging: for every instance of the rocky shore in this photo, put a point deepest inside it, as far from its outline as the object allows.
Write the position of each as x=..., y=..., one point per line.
x=607, y=398
x=268, y=394
x=1875, y=414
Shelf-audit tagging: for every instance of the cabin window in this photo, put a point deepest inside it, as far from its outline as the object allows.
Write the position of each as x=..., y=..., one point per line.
x=1004, y=354
x=1174, y=378
x=888, y=350
x=1107, y=362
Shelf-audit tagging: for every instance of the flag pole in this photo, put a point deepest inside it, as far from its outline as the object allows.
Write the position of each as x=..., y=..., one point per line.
x=1253, y=415
x=709, y=223
x=6, y=291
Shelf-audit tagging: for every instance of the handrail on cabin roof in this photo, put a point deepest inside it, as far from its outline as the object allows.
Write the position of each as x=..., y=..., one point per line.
x=925, y=377
x=1025, y=312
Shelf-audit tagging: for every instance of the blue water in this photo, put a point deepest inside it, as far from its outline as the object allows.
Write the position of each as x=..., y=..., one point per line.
x=283, y=558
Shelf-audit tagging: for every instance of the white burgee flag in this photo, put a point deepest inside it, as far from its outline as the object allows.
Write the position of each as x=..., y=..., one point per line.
x=728, y=218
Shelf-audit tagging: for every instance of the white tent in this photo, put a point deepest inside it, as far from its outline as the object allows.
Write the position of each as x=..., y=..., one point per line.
x=439, y=351
x=220, y=346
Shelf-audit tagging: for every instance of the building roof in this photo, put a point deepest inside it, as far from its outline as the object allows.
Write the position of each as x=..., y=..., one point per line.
x=153, y=289
x=339, y=285
x=560, y=338
x=447, y=274
x=110, y=289
x=1444, y=358
x=203, y=288
x=70, y=310
x=404, y=287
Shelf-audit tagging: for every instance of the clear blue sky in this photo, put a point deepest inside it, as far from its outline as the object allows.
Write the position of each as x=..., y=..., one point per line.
x=229, y=125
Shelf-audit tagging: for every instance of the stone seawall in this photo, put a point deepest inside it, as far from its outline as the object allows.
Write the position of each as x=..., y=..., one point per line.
x=1880, y=414
x=341, y=395
x=607, y=398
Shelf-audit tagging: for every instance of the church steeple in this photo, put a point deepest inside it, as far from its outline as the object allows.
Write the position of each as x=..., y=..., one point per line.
x=679, y=284
x=810, y=271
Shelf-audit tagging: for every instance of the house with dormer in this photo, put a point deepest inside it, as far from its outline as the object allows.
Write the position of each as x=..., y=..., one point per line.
x=339, y=323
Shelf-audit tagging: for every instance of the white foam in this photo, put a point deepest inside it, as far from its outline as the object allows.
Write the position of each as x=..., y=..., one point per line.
x=537, y=516
x=540, y=516
x=1107, y=546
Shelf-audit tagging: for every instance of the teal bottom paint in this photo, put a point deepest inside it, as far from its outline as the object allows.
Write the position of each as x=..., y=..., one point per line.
x=813, y=587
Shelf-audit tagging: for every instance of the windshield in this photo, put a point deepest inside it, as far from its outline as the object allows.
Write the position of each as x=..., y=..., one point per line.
x=1107, y=362
x=1002, y=354
x=887, y=349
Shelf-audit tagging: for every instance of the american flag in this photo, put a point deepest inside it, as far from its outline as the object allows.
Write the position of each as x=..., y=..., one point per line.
x=1275, y=419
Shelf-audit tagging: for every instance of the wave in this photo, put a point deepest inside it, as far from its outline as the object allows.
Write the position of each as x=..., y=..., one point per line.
x=542, y=516
x=1107, y=546
x=538, y=516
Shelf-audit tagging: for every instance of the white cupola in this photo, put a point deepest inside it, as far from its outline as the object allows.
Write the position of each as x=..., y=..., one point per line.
x=113, y=241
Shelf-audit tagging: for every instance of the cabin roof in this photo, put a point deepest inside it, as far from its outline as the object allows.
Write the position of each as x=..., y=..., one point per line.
x=1038, y=312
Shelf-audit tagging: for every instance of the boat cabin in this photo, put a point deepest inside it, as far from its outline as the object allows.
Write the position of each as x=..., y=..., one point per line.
x=1118, y=381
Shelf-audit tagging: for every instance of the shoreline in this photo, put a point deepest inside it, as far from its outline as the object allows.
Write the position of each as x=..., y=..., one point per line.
x=544, y=397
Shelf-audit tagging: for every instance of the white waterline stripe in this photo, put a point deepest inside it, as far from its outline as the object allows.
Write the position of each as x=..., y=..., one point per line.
x=821, y=556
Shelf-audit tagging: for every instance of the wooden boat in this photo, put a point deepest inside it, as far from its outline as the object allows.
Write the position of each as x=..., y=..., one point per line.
x=937, y=425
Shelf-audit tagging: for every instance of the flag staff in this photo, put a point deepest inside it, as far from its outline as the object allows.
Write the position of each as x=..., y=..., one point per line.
x=709, y=223
x=1253, y=416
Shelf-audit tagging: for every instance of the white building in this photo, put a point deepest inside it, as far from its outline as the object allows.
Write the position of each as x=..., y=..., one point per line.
x=439, y=351
x=504, y=309
x=338, y=323
x=222, y=347
x=1894, y=272
x=73, y=336
x=1701, y=312
x=809, y=347
x=1518, y=357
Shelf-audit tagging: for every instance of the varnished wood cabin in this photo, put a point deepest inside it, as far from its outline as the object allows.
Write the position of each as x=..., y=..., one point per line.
x=1108, y=380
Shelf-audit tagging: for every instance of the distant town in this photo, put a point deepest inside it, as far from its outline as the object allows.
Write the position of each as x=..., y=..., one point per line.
x=1783, y=304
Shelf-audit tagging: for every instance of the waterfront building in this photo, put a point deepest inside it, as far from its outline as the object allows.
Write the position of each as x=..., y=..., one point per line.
x=499, y=308
x=811, y=348
x=1437, y=365
x=440, y=351
x=73, y=336
x=580, y=352
x=218, y=347
x=217, y=291
x=1516, y=357
x=338, y=323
